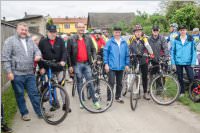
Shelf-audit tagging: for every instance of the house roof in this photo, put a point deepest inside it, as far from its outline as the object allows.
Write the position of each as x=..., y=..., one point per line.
x=106, y=20
x=69, y=20
x=27, y=17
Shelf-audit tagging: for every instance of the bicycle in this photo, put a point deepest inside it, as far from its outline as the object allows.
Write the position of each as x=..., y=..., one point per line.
x=194, y=87
x=164, y=89
x=127, y=77
x=100, y=93
x=50, y=98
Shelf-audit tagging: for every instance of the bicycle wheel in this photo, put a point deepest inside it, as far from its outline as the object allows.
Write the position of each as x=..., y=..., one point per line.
x=74, y=86
x=194, y=91
x=99, y=93
x=134, y=93
x=52, y=110
x=124, y=84
x=164, y=89
x=40, y=83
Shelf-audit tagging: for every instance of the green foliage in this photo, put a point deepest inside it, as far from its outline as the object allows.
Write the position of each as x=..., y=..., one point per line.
x=185, y=15
x=49, y=22
x=10, y=105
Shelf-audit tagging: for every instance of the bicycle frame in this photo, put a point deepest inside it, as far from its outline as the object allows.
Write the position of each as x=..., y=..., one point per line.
x=50, y=86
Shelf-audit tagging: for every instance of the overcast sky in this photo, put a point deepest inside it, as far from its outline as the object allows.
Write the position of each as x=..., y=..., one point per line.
x=15, y=9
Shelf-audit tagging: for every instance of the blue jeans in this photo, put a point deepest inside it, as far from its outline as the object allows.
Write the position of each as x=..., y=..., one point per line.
x=28, y=82
x=189, y=72
x=84, y=70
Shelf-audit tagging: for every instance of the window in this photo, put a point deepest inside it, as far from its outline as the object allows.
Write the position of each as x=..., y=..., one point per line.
x=76, y=25
x=34, y=28
x=67, y=26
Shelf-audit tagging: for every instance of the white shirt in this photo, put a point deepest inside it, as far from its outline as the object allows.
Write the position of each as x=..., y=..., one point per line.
x=118, y=42
x=24, y=45
x=183, y=39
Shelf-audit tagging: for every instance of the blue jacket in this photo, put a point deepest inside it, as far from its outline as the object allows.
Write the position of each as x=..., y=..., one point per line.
x=117, y=58
x=183, y=54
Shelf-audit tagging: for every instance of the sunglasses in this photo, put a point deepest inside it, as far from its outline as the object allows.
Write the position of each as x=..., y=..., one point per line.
x=156, y=30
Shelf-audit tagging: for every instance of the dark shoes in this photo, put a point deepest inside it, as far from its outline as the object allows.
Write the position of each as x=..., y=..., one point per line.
x=5, y=128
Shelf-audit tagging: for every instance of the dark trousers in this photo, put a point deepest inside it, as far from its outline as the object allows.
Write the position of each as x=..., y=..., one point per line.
x=189, y=72
x=111, y=80
x=144, y=71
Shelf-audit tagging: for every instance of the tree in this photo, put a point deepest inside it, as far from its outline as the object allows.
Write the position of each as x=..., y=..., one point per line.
x=49, y=22
x=185, y=15
x=170, y=7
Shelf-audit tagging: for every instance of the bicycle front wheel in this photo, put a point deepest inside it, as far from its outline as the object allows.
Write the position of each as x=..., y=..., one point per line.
x=96, y=96
x=134, y=93
x=164, y=89
x=54, y=105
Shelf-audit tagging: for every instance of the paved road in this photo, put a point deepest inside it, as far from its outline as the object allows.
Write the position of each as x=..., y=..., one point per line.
x=148, y=118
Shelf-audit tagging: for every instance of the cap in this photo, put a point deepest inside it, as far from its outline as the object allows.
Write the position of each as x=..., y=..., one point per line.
x=155, y=27
x=52, y=28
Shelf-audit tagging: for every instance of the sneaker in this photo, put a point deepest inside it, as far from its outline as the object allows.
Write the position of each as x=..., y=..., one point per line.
x=6, y=129
x=64, y=108
x=182, y=95
x=26, y=117
x=55, y=106
x=119, y=100
x=146, y=96
x=81, y=106
x=97, y=105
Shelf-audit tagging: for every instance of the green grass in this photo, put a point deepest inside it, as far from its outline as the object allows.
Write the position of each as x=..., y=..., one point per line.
x=195, y=107
x=171, y=91
x=10, y=105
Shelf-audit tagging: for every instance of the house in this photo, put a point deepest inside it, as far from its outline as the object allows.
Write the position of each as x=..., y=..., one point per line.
x=68, y=25
x=36, y=23
x=107, y=20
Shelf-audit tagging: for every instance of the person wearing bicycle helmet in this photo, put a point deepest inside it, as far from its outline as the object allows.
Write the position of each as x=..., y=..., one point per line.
x=173, y=34
x=98, y=41
x=140, y=45
x=183, y=56
x=196, y=36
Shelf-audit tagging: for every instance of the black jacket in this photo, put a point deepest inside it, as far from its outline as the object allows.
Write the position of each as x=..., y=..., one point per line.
x=72, y=47
x=159, y=47
x=56, y=52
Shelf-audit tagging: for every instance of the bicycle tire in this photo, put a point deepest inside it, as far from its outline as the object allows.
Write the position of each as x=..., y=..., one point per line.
x=168, y=79
x=124, y=85
x=74, y=86
x=67, y=102
x=103, y=102
x=134, y=96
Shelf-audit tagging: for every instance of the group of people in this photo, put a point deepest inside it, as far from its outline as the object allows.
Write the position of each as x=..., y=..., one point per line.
x=20, y=54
